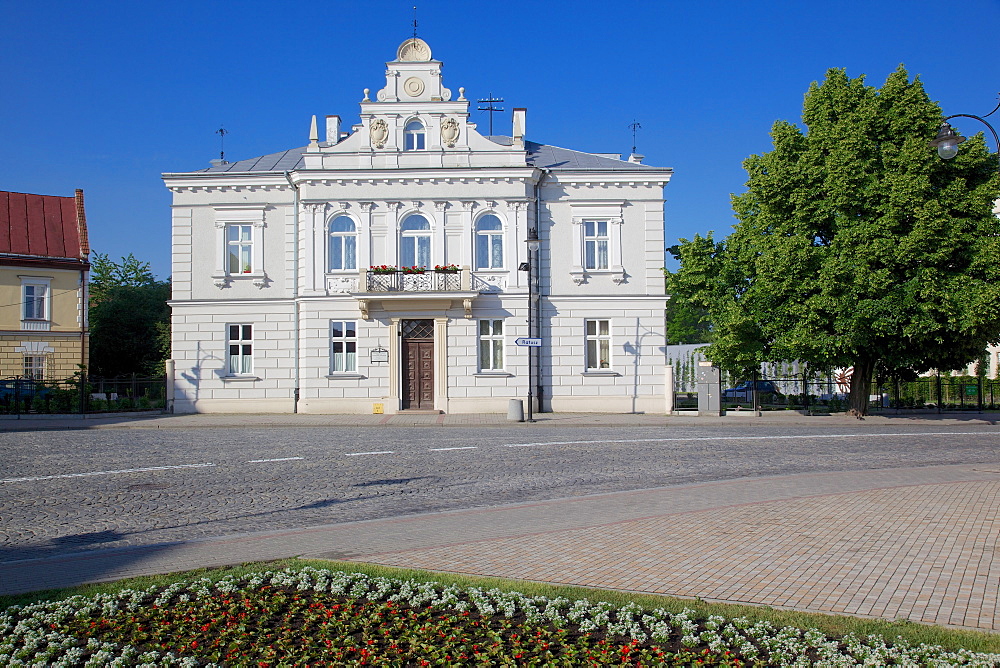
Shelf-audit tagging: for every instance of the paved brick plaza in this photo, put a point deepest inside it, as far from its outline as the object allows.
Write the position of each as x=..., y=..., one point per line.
x=914, y=543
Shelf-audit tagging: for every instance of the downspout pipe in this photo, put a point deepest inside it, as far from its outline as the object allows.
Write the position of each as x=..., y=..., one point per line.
x=535, y=272
x=295, y=291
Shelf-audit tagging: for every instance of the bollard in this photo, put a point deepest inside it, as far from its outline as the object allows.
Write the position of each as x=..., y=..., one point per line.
x=515, y=410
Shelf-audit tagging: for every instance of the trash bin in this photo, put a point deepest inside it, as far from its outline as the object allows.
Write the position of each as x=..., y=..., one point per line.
x=515, y=410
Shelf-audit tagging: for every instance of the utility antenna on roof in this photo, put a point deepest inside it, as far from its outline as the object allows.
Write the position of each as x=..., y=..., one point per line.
x=222, y=132
x=634, y=126
x=489, y=102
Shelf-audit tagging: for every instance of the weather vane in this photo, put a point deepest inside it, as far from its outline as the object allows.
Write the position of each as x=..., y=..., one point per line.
x=634, y=126
x=489, y=102
x=414, y=23
x=222, y=132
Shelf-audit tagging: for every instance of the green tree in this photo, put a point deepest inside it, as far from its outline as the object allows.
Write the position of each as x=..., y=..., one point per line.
x=129, y=318
x=686, y=322
x=856, y=245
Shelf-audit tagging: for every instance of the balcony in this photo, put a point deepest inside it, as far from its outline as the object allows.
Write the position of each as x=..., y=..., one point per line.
x=398, y=290
x=429, y=281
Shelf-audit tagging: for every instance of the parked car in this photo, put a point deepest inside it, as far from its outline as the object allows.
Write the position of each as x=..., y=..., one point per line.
x=22, y=387
x=742, y=393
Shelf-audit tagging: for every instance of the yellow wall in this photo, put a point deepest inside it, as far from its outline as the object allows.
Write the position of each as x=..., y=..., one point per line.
x=62, y=354
x=61, y=345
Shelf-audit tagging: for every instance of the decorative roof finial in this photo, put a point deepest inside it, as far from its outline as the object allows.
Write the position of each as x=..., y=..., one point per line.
x=313, y=133
x=222, y=132
x=633, y=126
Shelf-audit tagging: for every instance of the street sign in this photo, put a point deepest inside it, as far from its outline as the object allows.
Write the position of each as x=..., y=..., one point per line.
x=531, y=343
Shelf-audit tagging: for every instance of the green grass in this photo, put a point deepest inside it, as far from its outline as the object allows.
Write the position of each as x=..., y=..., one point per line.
x=831, y=625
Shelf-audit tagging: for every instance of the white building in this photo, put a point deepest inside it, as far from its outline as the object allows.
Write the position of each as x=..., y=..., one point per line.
x=276, y=307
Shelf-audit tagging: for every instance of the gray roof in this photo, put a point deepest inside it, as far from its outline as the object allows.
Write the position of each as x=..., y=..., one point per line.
x=542, y=156
x=286, y=161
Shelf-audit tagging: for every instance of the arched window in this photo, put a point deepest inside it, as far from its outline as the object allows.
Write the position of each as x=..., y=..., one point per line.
x=489, y=242
x=413, y=136
x=343, y=244
x=415, y=242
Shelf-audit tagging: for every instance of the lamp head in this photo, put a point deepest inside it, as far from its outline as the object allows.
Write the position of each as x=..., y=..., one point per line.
x=946, y=142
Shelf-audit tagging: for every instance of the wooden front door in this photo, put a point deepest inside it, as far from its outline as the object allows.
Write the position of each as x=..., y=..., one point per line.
x=418, y=364
x=418, y=373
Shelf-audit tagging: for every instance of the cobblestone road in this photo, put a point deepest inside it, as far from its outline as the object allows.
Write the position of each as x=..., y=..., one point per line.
x=69, y=491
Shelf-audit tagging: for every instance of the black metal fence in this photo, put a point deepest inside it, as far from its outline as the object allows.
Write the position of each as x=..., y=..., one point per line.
x=81, y=394
x=825, y=394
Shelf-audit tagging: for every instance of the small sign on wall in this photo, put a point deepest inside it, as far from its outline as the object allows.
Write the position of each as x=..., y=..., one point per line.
x=378, y=409
x=380, y=355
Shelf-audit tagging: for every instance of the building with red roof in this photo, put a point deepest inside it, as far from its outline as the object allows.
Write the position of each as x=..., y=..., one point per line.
x=44, y=266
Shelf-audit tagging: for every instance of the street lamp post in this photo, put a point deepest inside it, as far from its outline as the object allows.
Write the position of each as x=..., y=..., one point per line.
x=947, y=140
x=533, y=245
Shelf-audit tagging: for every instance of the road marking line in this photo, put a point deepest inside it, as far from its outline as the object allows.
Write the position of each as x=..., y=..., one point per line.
x=464, y=447
x=379, y=452
x=93, y=473
x=282, y=459
x=744, y=438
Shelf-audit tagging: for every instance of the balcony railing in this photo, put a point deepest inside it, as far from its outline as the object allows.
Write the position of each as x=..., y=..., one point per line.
x=429, y=281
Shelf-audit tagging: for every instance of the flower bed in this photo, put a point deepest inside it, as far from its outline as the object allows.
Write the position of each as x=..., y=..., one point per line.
x=334, y=618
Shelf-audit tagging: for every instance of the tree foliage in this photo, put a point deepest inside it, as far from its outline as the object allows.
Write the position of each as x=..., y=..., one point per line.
x=686, y=322
x=129, y=318
x=856, y=245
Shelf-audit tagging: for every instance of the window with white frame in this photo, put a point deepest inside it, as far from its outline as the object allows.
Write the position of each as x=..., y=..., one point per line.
x=489, y=242
x=598, y=344
x=343, y=346
x=491, y=345
x=595, y=243
x=239, y=249
x=343, y=244
x=415, y=242
x=240, y=344
x=34, y=367
x=414, y=136
x=35, y=300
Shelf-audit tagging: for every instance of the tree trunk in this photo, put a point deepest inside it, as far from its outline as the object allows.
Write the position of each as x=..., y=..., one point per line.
x=861, y=383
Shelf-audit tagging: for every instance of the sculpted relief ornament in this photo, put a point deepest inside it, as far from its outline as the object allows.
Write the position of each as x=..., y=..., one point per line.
x=413, y=50
x=449, y=132
x=379, y=132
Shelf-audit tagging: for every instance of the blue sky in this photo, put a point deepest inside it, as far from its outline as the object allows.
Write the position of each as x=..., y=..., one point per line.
x=106, y=96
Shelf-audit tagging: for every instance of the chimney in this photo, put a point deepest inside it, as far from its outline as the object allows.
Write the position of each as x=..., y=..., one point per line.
x=333, y=129
x=519, y=120
x=81, y=224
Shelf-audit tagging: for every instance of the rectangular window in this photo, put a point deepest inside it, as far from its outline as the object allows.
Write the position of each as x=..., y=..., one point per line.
x=34, y=367
x=491, y=345
x=239, y=249
x=35, y=295
x=595, y=241
x=598, y=344
x=343, y=346
x=489, y=250
x=240, y=343
x=343, y=252
x=415, y=251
